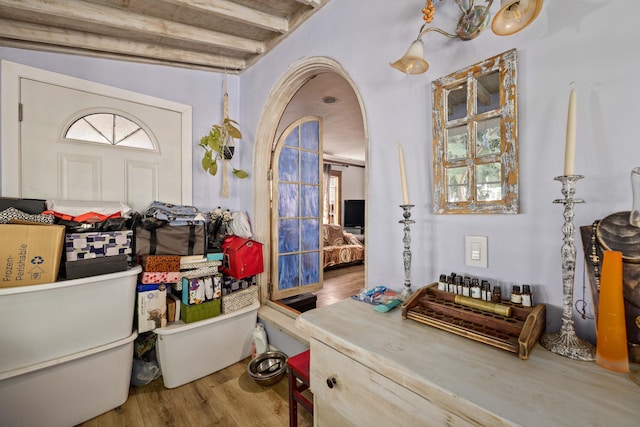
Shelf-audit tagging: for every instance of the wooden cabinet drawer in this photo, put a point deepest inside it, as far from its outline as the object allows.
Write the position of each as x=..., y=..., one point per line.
x=365, y=397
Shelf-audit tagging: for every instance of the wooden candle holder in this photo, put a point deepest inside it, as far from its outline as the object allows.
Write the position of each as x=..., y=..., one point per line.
x=517, y=333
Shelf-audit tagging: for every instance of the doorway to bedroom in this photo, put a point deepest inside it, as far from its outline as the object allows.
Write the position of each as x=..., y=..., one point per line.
x=320, y=82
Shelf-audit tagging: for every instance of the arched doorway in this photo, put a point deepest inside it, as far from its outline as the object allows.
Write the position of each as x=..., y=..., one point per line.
x=283, y=91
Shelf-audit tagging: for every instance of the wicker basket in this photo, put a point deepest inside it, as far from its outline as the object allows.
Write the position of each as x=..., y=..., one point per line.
x=239, y=299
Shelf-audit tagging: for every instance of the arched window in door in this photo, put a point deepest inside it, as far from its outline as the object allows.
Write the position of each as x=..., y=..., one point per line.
x=109, y=128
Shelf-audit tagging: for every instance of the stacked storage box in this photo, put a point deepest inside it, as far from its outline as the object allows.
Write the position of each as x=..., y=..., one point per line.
x=158, y=273
x=188, y=351
x=199, y=290
x=238, y=293
x=97, y=252
x=203, y=341
x=67, y=355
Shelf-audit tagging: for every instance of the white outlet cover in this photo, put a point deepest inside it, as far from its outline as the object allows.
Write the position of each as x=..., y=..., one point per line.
x=475, y=251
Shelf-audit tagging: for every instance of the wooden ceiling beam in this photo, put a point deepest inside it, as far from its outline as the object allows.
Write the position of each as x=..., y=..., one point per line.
x=312, y=3
x=295, y=21
x=67, y=13
x=235, y=12
x=14, y=33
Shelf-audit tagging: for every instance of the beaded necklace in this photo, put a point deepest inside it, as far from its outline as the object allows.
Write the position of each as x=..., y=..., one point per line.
x=594, y=256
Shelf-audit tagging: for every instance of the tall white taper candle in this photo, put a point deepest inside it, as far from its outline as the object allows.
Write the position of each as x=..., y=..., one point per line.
x=403, y=177
x=570, y=148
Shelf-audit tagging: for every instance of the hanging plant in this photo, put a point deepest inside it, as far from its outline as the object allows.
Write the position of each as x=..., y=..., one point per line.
x=219, y=145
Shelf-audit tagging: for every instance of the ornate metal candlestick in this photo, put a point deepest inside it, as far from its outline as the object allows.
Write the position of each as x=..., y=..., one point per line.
x=566, y=342
x=406, y=254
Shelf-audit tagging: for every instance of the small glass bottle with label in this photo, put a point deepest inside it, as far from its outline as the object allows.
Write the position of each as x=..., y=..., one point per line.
x=516, y=296
x=442, y=283
x=466, y=287
x=475, y=289
x=459, y=286
x=451, y=284
x=527, y=299
x=486, y=291
x=496, y=294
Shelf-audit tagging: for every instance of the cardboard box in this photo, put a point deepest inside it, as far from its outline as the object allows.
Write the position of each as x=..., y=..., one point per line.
x=199, y=289
x=160, y=262
x=152, y=309
x=30, y=254
x=148, y=277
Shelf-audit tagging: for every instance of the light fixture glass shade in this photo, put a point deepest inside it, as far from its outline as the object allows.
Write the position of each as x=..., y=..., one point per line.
x=514, y=15
x=413, y=61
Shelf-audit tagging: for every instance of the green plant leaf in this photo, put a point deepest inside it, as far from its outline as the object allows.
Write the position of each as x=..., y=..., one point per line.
x=204, y=141
x=213, y=169
x=240, y=173
x=207, y=160
x=213, y=139
x=233, y=131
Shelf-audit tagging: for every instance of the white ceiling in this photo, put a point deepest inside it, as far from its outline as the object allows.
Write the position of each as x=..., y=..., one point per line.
x=343, y=128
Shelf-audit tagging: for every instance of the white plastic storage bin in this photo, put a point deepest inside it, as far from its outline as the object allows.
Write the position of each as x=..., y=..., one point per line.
x=188, y=351
x=69, y=390
x=43, y=322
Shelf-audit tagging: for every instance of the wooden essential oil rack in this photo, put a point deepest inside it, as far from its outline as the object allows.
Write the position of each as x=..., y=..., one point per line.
x=517, y=333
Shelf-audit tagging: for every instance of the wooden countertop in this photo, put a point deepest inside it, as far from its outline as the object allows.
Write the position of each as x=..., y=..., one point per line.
x=544, y=390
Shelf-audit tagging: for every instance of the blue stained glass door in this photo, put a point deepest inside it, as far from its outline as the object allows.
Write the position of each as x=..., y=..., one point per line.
x=297, y=213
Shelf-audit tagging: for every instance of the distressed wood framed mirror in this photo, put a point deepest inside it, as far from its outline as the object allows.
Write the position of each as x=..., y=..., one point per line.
x=475, y=138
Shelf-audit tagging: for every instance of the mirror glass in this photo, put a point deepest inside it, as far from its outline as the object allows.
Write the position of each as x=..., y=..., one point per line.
x=475, y=143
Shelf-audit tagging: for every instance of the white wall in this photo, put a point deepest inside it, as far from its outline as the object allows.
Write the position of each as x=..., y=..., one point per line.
x=202, y=90
x=591, y=42
x=352, y=182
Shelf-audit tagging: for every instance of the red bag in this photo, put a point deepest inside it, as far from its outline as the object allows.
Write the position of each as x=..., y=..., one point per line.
x=241, y=257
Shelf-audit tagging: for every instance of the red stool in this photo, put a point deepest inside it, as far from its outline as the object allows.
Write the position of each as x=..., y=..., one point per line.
x=298, y=382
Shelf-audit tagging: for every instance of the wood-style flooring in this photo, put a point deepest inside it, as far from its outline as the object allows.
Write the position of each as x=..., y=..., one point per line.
x=227, y=398
x=340, y=283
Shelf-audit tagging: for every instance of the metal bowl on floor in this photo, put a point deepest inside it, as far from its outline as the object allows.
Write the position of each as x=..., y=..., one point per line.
x=268, y=368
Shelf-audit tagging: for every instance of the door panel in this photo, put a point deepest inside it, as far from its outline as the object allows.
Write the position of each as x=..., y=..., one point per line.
x=296, y=232
x=85, y=169
x=91, y=171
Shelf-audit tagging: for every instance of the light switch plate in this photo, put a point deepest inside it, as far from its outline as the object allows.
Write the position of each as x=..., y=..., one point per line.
x=475, y=250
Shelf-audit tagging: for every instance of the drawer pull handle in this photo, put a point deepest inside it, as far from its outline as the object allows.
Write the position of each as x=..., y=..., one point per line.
x=331, y=382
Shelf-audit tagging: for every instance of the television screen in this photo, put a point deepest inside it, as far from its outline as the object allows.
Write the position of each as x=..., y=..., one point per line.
x=354, y=213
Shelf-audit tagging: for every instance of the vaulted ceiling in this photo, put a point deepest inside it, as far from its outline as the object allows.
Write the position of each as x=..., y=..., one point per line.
x=220, y=35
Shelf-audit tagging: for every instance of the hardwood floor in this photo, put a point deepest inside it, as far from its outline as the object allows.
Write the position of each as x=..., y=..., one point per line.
x=340, y=283
x=227, y=398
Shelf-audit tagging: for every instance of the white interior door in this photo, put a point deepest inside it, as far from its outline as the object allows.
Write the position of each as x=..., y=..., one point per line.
x=51, y=167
